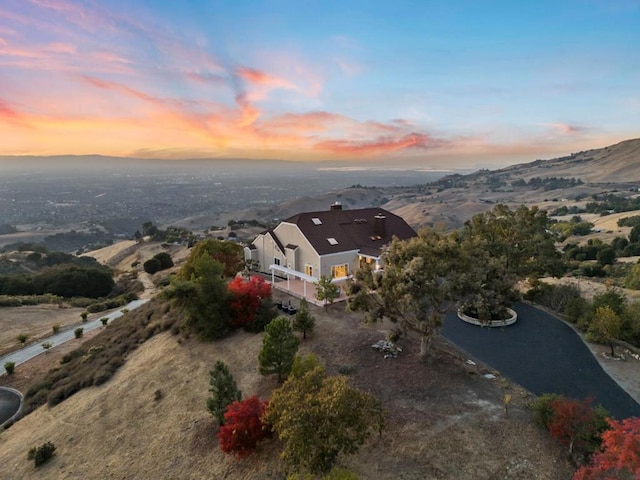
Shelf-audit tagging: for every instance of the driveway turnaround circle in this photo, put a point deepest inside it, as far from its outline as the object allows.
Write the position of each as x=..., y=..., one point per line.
x=544, y=355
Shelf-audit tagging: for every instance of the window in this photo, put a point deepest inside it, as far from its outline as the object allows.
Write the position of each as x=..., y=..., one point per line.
x=316, y=221
x=276, y=261
x=308, y=270
x=340, y=271
x=332, y=241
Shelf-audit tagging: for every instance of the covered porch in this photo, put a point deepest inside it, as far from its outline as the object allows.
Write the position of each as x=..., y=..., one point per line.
x=301, y=285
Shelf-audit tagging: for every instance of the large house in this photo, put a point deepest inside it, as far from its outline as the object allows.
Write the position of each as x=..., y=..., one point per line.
x=334, y=242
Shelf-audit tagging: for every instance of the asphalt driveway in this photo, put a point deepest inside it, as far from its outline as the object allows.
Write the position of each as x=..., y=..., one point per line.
x=544, y=355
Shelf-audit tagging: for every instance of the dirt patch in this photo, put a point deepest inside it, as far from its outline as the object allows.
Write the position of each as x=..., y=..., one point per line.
x=445, y=419
x=36, y=321
x=28, y=372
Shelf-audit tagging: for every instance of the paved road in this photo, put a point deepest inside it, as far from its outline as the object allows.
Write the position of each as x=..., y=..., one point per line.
x=27, y=353
x=544, y=355
x=9, y=403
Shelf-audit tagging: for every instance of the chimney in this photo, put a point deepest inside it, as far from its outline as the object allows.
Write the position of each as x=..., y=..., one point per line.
x=379, y=225
x=336, y=206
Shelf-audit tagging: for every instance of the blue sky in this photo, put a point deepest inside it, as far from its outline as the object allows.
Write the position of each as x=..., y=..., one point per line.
x=428, y=83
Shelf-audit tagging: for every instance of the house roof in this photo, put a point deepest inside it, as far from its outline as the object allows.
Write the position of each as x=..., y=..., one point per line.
x=336, y=230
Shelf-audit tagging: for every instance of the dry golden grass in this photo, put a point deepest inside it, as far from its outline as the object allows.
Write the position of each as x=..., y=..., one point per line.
x=445, y=420
x=36, y=321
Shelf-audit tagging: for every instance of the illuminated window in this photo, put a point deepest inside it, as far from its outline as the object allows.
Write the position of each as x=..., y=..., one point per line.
x=308, y=270
x=340, y=271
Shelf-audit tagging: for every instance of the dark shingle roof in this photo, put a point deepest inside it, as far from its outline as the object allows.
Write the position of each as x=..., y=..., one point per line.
x=351, y=230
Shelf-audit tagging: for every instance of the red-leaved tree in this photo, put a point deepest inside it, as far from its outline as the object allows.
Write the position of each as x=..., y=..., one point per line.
x=619, y=457
x=573, y=421
x=247, y=298
x=243, y=427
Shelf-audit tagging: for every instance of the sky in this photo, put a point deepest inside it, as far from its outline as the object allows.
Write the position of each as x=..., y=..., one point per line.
x=425, y=83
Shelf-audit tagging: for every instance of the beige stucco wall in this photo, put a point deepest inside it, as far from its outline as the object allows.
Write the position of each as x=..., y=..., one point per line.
x=289, y=233
x=267, y=250
x=327, y=261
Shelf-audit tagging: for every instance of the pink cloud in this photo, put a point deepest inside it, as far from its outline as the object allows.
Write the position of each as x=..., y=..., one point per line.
x=261, y=78
x=304, y=122
x=566, y=128
x=7, y=112
x=378, y=146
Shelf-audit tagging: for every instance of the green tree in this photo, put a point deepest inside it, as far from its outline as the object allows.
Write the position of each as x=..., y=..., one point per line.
x=606, y=326
x=634, y=234
x=304, y=321
x=152, y=266
x=606, y=256
x=69, y=280
x=613, y=298
x=201, y=293
x=631, y=324
x=150, y=230
x=421, y=279
x=279, y=347
x=224, y=391
x=320, y=417
x=164, y=259
x=632, y=280
x=490, y=286
x=520, y=236
x=326, y=290
x=228, y=254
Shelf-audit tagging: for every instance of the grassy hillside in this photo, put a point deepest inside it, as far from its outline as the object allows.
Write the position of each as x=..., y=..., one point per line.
x=150, y=420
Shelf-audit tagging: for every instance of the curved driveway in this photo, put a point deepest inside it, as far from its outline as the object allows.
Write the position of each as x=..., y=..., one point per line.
x=544, y=355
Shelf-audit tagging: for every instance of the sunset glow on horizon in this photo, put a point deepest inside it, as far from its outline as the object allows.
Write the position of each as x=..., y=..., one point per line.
x=424, y=83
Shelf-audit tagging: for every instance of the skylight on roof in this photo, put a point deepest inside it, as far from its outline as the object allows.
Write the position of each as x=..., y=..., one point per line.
x=316, y=221
x=332, y=241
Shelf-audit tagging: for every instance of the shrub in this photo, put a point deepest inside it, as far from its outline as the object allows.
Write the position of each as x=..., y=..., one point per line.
x=243, y=427
x=41, y=454
x=56, y=328
x=104, y=321
x=542, y=410
x=47, y=345
x=84, y=316
x=152, y=266
x=158, y=395
x=575, y=423
x=78, y=332
x=10, y=367
x=620, y=454
x=22, y=338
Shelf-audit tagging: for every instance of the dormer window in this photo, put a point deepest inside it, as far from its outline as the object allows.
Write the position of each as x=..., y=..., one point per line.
x=332, y=241
x=316, y=221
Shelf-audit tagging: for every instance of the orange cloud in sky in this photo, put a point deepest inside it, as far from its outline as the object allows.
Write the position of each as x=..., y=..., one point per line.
x=376, y=147
x=304, y=122
x=262, y=78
